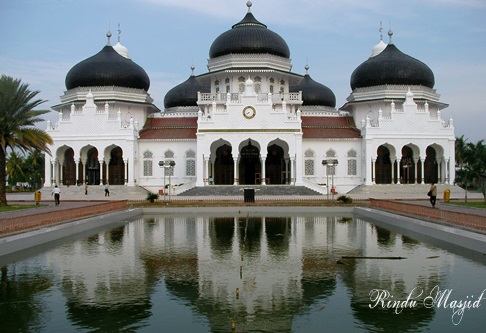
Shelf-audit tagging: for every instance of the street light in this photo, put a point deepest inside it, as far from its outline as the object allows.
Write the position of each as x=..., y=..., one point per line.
x=167, y=165
x=330, y=163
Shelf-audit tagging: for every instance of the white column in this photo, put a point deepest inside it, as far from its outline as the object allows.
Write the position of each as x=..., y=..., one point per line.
x=235, y=171
x=287, y=178
x=48, y=172
x=373, y=171
x=101, y=171
x=206, y=171
x=394, y=173
x=264, y=175
x=399, y=171
x=292, y=170
x=127, y=170
x=422, y=164
x=299, y=172
x=416, y=160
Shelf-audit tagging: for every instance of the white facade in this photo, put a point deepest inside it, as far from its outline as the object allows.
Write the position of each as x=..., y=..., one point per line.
x=251, y=129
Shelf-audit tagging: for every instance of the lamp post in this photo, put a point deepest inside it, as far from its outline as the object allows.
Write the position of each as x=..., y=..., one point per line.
x=330, y=163
x=167, y=165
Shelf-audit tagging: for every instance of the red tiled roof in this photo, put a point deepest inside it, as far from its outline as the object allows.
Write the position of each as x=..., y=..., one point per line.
x=169, y=128
x=329, y=128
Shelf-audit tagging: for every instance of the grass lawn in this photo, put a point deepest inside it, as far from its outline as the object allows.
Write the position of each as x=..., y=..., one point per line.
x=474, y=204
x=9, y=208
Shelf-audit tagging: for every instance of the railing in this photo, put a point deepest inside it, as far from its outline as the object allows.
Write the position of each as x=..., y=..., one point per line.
x=238, y=200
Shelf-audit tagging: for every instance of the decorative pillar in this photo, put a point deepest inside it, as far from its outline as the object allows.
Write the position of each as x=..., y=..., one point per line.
x=373, y=160
x=206, y=171
x=399, y=171
x=235, y=171
x=262, y=161
x=292, y=170
x=394, y=170
x=100, y=161
x=287, y=178
x=422, y=164
x=126, y=171
x=417, y=161
x=48, y=172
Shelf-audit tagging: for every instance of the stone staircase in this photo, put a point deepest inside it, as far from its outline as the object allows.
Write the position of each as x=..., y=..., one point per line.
x=237, y=190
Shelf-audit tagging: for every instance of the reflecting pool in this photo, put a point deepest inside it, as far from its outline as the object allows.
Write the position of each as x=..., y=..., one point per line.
x=293, y=273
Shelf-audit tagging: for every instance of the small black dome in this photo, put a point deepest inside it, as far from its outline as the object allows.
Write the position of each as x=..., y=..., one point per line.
x=249, y=36
x=314, y=93
x=392, y=66
x=107, y=68
x=184, y=94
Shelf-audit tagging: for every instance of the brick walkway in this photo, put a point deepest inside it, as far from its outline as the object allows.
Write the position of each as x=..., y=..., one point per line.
x=48, y=214
x=464, y=217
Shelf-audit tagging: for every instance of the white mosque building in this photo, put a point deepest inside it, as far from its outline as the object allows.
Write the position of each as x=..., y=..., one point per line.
x=250, y=120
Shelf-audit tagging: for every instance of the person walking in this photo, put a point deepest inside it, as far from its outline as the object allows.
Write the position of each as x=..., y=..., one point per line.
x=86, y=188
x=57, y=195
x=433, y=194
x=107, y=190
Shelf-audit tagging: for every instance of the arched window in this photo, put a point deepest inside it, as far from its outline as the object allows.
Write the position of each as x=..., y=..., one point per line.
x=148, y=163
x=168, y=156
x=331, y=154
x=352, y=163
x=309, y=163
x=190, y=163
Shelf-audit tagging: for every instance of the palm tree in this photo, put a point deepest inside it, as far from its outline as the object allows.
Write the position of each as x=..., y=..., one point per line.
x=18, y=119
x=15, y=168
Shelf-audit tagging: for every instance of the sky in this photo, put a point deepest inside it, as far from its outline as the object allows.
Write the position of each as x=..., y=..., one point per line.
x=41, y=40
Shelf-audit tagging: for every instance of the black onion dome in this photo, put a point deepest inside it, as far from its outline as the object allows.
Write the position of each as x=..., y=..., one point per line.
x=249, y=36
x=314, y=93
x=184, y=94
x=107, y=68
x=392, y=66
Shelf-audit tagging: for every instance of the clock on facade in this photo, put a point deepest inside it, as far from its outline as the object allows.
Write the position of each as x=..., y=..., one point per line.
x=249, y=112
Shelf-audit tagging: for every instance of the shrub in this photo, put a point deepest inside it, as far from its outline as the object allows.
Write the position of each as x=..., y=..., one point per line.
x=345, y=199
x=151, y=197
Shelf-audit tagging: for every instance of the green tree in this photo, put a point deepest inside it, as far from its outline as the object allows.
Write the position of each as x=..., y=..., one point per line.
x=34, y=166
x=476, y=163
x=17, y=124
x=15, y=167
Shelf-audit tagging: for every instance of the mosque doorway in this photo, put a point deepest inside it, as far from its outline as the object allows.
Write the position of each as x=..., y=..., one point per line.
x=275, y=165
x=92, y=170
x=383, y=166
x=407, y=166
x=224, y=166
x=69, y=168
x=250, y=165
x=116, y=167
x=431, y=167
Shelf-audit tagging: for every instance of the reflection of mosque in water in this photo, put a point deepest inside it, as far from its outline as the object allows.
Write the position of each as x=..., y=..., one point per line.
x=261, y=272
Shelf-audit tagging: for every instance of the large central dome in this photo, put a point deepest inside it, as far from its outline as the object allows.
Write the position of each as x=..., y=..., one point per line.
x=249, y=36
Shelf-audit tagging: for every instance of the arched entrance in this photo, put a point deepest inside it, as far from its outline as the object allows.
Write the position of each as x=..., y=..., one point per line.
x=224, y=166
x=383, y=166
x=92, y=170
x=116, y=167
x=431, y=167
x=250, y=165
x=69, y=168
x=275, y=165
x=407, y=166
